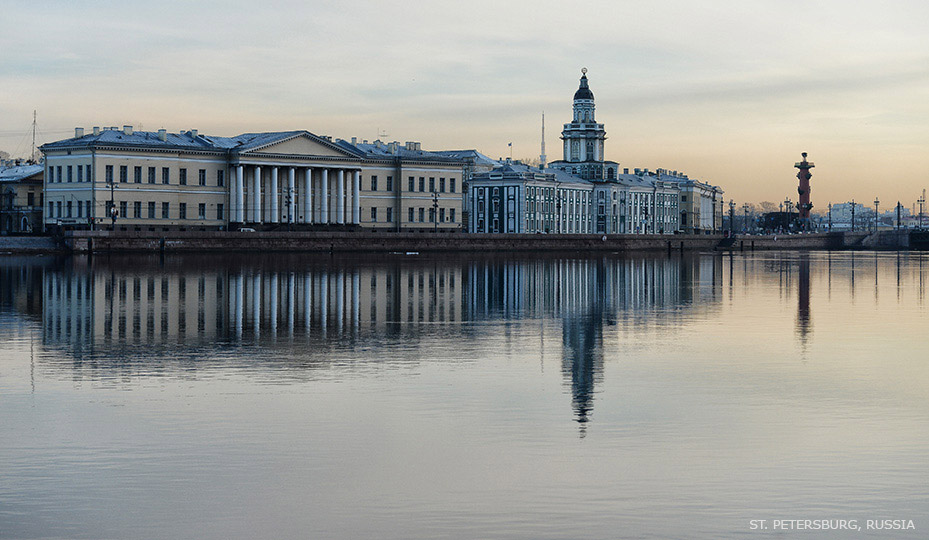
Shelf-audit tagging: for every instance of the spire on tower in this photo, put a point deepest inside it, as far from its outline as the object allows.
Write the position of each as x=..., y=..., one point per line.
x=542, y=156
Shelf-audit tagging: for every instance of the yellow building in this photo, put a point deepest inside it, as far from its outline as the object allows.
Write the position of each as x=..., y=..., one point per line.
x=153, y=181
x=21, y=198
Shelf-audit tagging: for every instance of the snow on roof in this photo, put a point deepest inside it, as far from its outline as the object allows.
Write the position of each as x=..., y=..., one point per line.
x=16, y=173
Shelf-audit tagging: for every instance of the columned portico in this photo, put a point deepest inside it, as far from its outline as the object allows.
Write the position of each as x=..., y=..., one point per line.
x=340, y=198
x=324, y=197
x=321, y=197
x=239, y=210
x=356, y=197
x=273, y=197
x=256, y=195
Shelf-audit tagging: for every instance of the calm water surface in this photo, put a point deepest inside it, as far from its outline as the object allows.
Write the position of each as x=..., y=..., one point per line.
x=392, y=396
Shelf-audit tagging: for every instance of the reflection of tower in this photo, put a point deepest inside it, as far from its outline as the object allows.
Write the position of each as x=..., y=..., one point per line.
x=803, y=299
x=582, y=336
x=804, y=190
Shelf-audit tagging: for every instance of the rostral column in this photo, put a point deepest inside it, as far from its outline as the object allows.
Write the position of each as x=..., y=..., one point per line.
x=803, y=189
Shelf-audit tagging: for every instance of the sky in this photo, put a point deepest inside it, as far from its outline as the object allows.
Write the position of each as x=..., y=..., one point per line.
x=728, y=92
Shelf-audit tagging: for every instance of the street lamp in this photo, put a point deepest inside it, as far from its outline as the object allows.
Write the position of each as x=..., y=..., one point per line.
x=435, y=210
x=745, y=224
x=830, y=217
x=731, y=217
x=876, y=202
x=853, y=215
x=922, y=203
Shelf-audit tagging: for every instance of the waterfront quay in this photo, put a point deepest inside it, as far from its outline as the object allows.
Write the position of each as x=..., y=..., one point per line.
x=214, y=241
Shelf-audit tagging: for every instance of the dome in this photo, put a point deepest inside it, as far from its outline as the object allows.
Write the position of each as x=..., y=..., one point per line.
x=583, y=92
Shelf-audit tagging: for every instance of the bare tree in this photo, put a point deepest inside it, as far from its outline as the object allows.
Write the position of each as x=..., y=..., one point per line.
x=767, y=206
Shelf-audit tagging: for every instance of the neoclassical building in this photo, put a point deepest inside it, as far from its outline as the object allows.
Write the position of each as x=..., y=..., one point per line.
x=21, y=197
x=137, y=180
x=585, y=193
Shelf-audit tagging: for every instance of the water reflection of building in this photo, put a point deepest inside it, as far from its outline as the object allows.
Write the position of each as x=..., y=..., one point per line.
x=137, y=310
x=87, y=306
x=587, y=295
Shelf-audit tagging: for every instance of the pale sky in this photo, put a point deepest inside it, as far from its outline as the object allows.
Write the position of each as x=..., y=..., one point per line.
x=728, y=92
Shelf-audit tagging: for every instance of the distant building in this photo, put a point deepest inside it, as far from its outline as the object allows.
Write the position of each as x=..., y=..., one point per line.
x=21, y=197
x=136, y=180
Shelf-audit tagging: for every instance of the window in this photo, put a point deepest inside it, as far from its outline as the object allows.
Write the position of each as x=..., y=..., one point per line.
x=411, y=215
x=422, y=214
x=80, y=209
x=87, y=170
x=151, y=210
x=137, y=209
x=165, y=175
x=220, y=178
x=441, y=215
x=411, y=184
x=182, y=210
x=390, y=215
x=432, y=215
x=165, y=210
x=151, y=175
x=69, y=208
x=422, y=184
x=451, y=215
x=51, y=175
x=30, y=199
x=123, y=174
x=58, y=208
x=89, y=213
x=219, y=211
x=182, y=177
x=442, y=185
x=123, y=209
x=373, y=214
x=374, y=183
x=390, y=183
x=201, y=209
x=431, y=184
x=69, y=174
x=109, y=174
x=201, y=177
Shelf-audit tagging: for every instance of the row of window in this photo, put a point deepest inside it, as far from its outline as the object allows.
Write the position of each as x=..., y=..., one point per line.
x=434, y=187
x=84, y=209
x=165, y=175
x=69, y=173
x=420, y=213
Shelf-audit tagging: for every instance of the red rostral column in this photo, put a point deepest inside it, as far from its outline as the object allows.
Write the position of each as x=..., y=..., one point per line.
x=803, y=189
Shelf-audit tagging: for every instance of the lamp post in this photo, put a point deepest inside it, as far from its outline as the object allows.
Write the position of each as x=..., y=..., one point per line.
x=899, y=215
x=876, y=202
x=830, y=217
x=922, y=203
x=745, y=224
x=787, y=205
x=435, y=210
x=731, y=217
x=853, y=215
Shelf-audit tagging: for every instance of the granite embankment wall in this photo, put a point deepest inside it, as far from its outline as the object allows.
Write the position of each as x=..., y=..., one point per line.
x=190, y=241
x=200, y=242
x=28, y=244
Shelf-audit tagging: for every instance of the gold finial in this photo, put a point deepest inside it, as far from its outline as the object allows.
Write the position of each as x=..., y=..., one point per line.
x=583, y=71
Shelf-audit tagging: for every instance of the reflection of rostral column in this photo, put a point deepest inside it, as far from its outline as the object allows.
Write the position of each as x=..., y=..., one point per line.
x=804, y=190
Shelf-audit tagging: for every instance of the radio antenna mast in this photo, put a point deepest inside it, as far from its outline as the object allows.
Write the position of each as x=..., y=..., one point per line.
x=33, y=135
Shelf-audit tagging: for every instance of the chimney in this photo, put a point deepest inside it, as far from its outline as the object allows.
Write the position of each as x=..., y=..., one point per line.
x=626, y=170
x=78, y=132
x=392, y=147
x=96, y=130
x=163, y=135
x=354, y=141
x=127, y=130
x=193, y=133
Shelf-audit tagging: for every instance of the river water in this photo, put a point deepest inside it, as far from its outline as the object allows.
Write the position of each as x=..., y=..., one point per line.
x=412, y=396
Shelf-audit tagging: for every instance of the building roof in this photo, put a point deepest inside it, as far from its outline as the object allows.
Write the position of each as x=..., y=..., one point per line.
x=381, y=150
x=510, y=170
x=18, y=173
x=583, y=92
x=118, y=137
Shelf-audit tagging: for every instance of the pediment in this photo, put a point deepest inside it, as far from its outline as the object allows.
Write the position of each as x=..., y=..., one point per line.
x=301, y=145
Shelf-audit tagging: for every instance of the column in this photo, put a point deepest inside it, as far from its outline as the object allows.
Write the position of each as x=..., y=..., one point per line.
x=324, y=198
x=239, y=203
x=356, y=197
x=340, y=198
x=308, y=196
x=291, y=195
x=273, y=197
x=256, y=197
